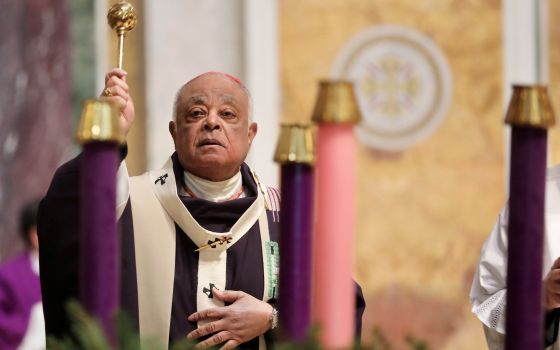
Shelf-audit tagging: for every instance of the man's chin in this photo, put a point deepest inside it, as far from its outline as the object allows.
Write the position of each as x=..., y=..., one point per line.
x=210, y=159
x=209, y=162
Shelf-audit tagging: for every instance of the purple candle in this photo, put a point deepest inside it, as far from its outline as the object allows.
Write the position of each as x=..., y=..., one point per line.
x=100, y=244
x=524, y=322
x=295, y=246
x=100, y=134
x=295, y=152
x=530, y=114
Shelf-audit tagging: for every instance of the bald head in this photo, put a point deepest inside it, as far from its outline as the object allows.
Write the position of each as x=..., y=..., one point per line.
x=227, y=77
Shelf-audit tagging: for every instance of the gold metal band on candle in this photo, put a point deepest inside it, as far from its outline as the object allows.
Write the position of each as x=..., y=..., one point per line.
x=99, y=122
x=336, y=103
x=295, y=145
x=530, y=106
x=122, y=18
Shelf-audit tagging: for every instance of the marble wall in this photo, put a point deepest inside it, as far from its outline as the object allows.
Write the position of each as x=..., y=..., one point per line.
x=554, y=80
x=423, y=212
x=134, y=62
x=35, y=113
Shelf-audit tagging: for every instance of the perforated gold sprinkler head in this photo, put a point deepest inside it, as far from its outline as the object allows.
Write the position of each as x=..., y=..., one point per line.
x=122, y=18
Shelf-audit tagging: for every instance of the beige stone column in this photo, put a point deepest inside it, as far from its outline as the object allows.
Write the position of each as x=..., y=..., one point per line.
x=35, y=112
x=134, y=64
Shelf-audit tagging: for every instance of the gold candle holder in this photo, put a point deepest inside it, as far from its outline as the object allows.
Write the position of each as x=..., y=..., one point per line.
x=122, y=18
x=99, y=122
x=530, y=106
x=336, y=103
x=296, y=144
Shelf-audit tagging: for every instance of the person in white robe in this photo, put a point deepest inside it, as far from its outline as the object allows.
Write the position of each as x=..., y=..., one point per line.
x=488, y=291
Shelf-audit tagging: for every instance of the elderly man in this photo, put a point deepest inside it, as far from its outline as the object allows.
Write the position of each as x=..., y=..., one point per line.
x=199, y=251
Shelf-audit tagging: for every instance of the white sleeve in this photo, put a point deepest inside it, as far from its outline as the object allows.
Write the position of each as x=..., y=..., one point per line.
x=495, y=340
x=123, y=191
x=35, y=338
x=488, y=291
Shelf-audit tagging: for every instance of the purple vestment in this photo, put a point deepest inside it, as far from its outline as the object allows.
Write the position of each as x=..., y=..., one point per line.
x=20, y=289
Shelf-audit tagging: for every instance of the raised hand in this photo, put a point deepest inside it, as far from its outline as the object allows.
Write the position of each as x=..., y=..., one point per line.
x=243, y=320
x=116, y=90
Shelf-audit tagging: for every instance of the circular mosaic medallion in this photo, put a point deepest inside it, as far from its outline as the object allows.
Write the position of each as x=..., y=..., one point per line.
x=402, y=83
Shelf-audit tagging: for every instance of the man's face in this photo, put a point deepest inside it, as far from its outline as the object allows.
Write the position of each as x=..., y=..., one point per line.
x=211, y=133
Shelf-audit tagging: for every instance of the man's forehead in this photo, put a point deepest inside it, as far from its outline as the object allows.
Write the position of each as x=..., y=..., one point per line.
x=203, y=98
x=213, y=84
x=232, y=78
x=214, y=81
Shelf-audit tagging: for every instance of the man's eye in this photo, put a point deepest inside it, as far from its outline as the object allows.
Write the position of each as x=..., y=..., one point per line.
x=197, y=113
x=228, y=114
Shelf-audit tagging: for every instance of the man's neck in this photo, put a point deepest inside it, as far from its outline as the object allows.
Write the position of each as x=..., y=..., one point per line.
x=215, y=191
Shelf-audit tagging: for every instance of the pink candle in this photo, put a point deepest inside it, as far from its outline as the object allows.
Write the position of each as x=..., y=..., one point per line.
x=333, y=288
x=334, y=237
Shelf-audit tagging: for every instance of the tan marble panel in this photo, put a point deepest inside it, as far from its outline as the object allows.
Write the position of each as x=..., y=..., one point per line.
x=134, y=64
x=35, y=112
x=554, y=56
x=422, y=213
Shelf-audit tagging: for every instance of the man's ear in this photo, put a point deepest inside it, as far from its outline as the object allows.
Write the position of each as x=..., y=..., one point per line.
x=33, y=238
x=173, y=130
x=252, y=132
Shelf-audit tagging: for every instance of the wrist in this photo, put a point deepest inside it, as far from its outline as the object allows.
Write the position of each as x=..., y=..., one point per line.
x=550, y=304
x=550, y=301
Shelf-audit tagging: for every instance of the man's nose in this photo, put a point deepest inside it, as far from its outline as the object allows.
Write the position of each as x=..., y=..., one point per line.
x=212, y=122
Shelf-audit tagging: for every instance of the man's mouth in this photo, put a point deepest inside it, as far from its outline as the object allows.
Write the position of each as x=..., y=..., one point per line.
x=209, y=142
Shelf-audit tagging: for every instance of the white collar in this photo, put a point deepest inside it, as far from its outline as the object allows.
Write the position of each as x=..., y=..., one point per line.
x=215, y=191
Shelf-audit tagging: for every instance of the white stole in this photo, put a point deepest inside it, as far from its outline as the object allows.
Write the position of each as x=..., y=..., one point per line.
x=156, y=208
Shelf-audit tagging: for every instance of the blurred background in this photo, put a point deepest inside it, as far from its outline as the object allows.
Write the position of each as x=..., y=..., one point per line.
x=432, y=76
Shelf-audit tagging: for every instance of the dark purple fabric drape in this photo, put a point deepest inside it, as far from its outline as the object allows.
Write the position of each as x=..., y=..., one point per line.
x=296, y=215
x=524, y=313
x=99, y=290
